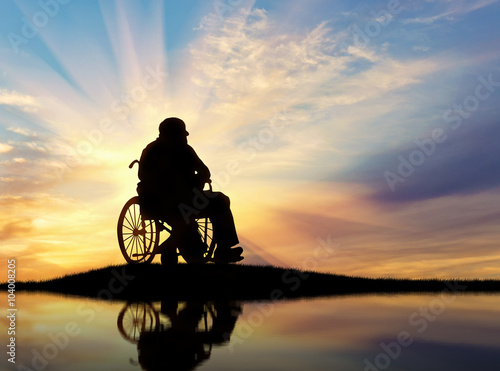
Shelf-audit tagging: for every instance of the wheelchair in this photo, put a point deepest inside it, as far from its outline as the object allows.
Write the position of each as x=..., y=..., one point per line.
x=162, y=344
x=139, y=236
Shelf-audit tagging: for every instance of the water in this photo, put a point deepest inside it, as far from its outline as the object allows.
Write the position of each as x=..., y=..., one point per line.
x=402, y=332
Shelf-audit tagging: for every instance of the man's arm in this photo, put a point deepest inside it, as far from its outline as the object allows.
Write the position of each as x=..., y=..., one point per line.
x=202, y=171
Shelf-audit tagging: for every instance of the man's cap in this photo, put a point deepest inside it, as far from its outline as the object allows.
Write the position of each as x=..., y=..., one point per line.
x=172, y=126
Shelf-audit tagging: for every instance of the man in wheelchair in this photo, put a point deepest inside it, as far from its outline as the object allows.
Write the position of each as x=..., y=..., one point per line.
x=172, y=178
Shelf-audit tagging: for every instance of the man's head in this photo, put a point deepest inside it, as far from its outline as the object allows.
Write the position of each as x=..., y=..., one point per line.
x=173, y=128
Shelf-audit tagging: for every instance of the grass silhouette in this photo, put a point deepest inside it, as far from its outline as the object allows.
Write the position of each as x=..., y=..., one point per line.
x=235, y=281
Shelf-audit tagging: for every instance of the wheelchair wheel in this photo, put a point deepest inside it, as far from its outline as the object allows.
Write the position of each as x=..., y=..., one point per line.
x=136, y=318
x=137, y=237
x=206, y=232
x=198, y=245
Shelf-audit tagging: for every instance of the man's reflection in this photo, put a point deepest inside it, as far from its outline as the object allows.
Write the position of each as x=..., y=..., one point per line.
x=181, y=336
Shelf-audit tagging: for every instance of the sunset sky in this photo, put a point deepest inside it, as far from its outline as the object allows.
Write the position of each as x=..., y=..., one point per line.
x=354, y=137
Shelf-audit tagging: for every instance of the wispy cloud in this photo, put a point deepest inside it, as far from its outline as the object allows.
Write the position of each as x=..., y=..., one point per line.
x=22, y=131
x=450, y=10
x=27, y=103
x=329, y=94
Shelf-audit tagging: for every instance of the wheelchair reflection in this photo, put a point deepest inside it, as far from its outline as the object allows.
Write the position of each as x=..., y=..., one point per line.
x=178, y=336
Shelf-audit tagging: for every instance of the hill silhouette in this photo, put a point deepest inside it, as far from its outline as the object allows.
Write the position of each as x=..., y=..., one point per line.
x=243, y=282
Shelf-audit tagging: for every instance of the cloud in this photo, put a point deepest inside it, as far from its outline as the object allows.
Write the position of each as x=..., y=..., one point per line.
x=428, y=20
x=421, y=48
x=12, y=179
x=27, y=103
x=450, y=10
x=466, y=162
x=249, y=60
x=249, y=69
x=29, y=166
x=4, y=148
x=246, y=57
x=431, y=238
x=22, y=131
x=14, y=229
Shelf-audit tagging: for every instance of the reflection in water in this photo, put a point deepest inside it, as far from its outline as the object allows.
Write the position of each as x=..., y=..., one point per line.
x=180, y=335
x=339, y=333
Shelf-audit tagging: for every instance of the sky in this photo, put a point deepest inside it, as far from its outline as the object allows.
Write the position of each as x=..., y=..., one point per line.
x=353, y=137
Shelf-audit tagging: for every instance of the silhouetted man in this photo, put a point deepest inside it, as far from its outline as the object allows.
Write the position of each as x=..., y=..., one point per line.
x=172, y=179
x=187, y=342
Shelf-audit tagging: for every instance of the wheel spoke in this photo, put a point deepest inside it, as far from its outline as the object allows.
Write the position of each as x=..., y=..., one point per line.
x=141, y=241
x=135, y=219
x=141, y=244
x=137, y=249
x=148, y=241
x=205, y=230
x=134, y=245
x=129, y=243
x=129, y=237
x=128, y=225
x=135, y=318
x=130, y=219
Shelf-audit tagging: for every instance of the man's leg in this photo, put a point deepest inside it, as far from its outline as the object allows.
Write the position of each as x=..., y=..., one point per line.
x=187, y=239
x=219, y=212
x=168, y=250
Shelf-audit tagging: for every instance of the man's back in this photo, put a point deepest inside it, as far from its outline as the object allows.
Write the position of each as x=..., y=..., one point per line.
x=169, y=171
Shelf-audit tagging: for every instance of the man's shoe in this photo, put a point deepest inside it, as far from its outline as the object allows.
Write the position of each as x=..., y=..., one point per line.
x=236, y=250
x=228, y=256
x=235, y=255
x=236, y=259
